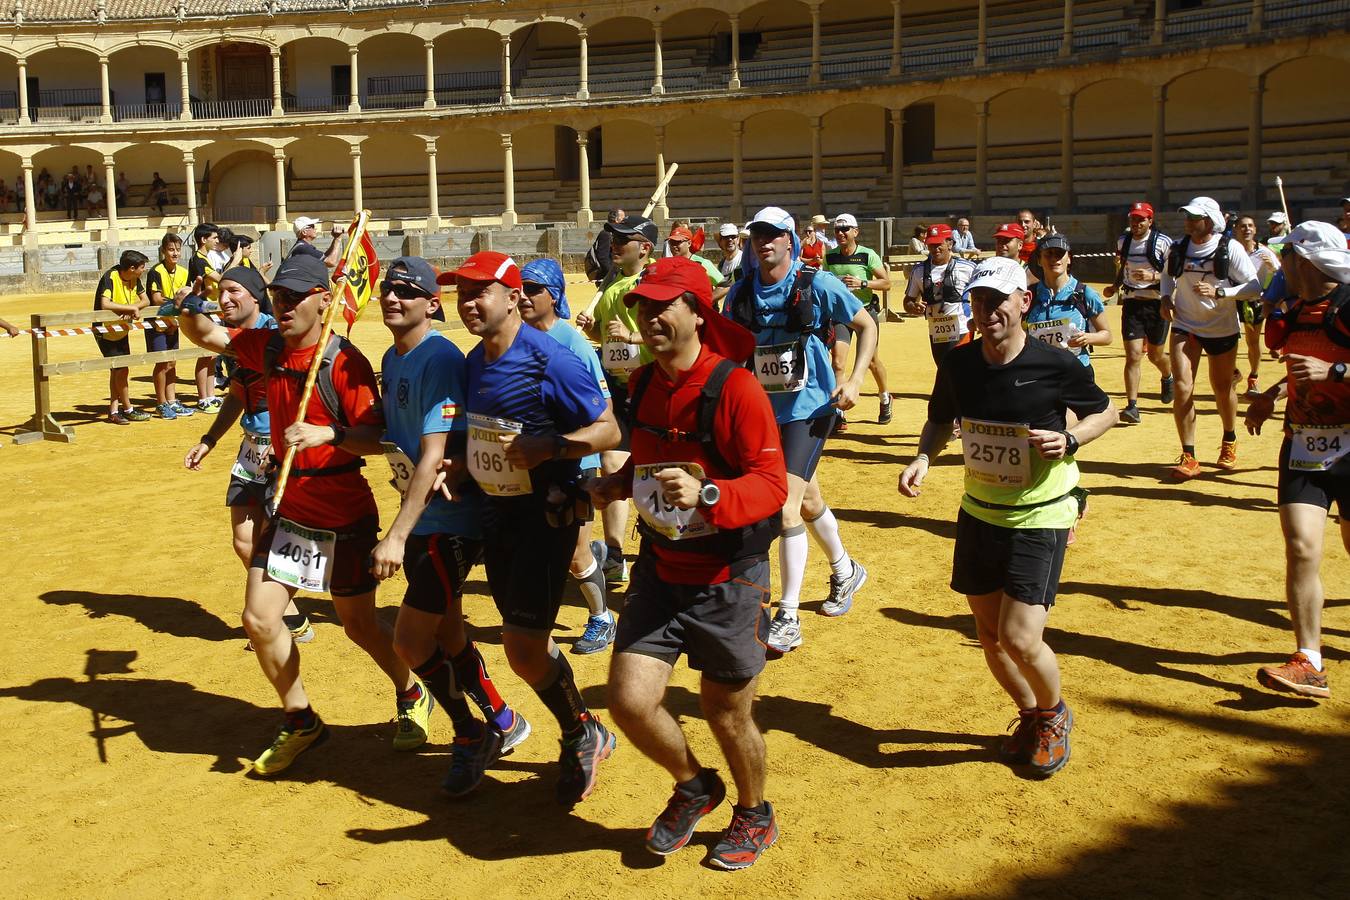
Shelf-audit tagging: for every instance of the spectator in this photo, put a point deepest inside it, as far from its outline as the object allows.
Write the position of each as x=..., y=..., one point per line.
x=306, y=230
x=123, y=189
x=94, y=201
x=158, y=195
x=165, y=280
x=729, y=239
x=70, y=196
x=916, y=240
x=965, y=241
x=813, y=247
x=680, y=243
x=823, y=229
x=221, y=254
x=1277, y=226
x=90, y=180
x=120, y=291
x=52, y=193
x=5, y=194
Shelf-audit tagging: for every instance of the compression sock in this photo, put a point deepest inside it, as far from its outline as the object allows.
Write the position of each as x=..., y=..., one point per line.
x=1188, y=449
x=471, y=673
x=559, y=693
x=1230, y=436
x=1314, y=657
x=437, y=675
x=825, y=529
x=301, y=719
x=592, y=584
x=792, y=549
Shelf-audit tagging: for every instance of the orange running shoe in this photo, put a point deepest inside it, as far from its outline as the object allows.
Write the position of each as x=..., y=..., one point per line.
x=1050, y=753
x=1016, y=748
x=1187, y=467
x=1227, y=456
x=1296, y=677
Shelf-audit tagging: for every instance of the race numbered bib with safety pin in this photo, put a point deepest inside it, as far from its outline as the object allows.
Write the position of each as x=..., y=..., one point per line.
x=251, y=463
x=945, y=329
x=616, y=356
x=781, y=368
x=400, y=464
x=1316, y=448
x=996, y=453
x=488, y=464
x=301, y=557
x=1055, y=332
x=675, y=523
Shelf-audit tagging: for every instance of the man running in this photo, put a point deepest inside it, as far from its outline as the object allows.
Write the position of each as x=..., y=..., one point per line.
x=936, y=291
x=708, y=479
x=681, y=243
x=1008, y=240
x=1251, y=312
x=534, y=411
x=787, y=308
x=1012, y=395
x=1141, y=255
x=1314, y=338
x=863, y=273
x=1064, y=312
x=327, y=525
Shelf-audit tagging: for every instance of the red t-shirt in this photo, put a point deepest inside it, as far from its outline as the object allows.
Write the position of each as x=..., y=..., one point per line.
x=1321, y=402
x=747, y=436
x=813, y=254
x=318, y=501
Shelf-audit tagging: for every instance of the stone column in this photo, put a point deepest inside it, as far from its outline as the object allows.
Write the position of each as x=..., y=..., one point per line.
x=1258, y=19
x=109, y=191
x=1066, y=43
x=506, y=68
x=429, y=102
x=277, y=107
x=184, y=89
x=508, y=182
x=584, y=214
x=1158, y=149
x=358, y=195
x=1159, y=21
x=23, y=92
x=1065, y=200
x=433, y=187
x=658, y=86
x=584, y=86
x=279, y=158
x=190, y=184
x=661, y=212
x=817, y=182
x=981, y=198
x=737, y=182
x=29, y=202
x=354, y=87
x=105, y=95
x=734, y=82
x=982, y=34
x=815, y=44
x=897, y=161
x=1252, y=195
x=897, y=64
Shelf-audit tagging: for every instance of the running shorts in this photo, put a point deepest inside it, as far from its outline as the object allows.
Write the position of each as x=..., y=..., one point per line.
x=1024, y=563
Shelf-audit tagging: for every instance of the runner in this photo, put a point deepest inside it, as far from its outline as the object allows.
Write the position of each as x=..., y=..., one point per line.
x=1277, y=226
x=1013, y=526
x=939, y=298
x=120, y=290
x=252, y=476
x=1204, y=320
x=543, y=305
x=165, y=280
x=534, y=411
x=1314, y=337
x=1064, y=312
x=438, y=539
x=205, y=241
x=1008, y=240
x=787, y=308
x=327, y=525
x=708, y=477
x=729, y=240
x=863, y=273
x=680, y=243
x=1251, y=312
x=1141, y=255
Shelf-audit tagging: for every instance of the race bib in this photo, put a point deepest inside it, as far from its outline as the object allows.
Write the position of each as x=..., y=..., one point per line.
x=1316, y=448
x=675, y=523
x=620, y=357
x=781, y=368
x=301, y=557
x=251, y=463
x=1055, y=332
x=400, y=464
x=487, y=457
x=945, y=329
x=996, y=453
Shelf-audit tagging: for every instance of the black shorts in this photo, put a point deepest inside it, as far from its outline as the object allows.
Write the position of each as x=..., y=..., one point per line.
x=1142, y=319
x=113, y=348
x=437, y=566
x=161, y=340
x=618, y=395
x=350, y=575
x=803, y=442
x=721, y=628
x=250, y=493
x=1212, y=346
x=1315, y=488
x=527, y=561
x=843, y=332
x=1022, y=562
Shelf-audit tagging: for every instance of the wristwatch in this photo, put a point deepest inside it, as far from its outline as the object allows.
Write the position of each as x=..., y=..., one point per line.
x=709, y=494
x=1070, y=444
x=1220, y=293
x=339, y=434
x=1338, y=371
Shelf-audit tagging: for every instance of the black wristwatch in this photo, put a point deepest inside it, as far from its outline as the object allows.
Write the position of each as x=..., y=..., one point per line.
x=339, y=434
x=709, y=494
x=1070, y=443
x=1337, y=371
x=1220, y=293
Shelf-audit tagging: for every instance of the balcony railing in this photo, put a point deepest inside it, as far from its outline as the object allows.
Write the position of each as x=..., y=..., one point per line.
x=957, y=55
x=69, y=97
x=231, y=109
x=147, y=112
x=1207, y=24
x=72, y=113
x=1302, y=13
x=329, y=104
x=1024, y=49
x=452, y=88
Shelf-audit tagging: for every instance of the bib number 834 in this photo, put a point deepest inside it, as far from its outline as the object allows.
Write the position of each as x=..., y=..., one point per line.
x=1322, y=443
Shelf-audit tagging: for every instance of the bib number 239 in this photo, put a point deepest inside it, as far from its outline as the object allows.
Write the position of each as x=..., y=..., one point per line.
x=301, y=557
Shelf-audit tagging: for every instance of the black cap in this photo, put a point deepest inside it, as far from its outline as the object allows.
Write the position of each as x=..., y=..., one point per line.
x=301, y=273
x=635, y=226
x=250, y=278
x=1054, y=242
x=413, y=270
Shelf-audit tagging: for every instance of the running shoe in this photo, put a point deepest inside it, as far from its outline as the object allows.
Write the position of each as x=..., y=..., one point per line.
x=884, y=416
x=675, y=826
x=1016, y=748
x=290, y=742
x=208, y=405
x=842, y=590
x=515, y=735
x=1166, y=395
x=615, y=566
x=1187, y=467
x=166, y=411
x=1050, y=753
x=580, y=760
x=749, y=834
x=302, y=632
x=1252, y=388
x=840, y=424
x=469, y=759
x=137, y=415
x=414, y=720
x=785, y=633
x=1130, y=415
x=182, y=411
x=1296, y=677
x=118, y=418
x=598, y=635
x=1227, y=456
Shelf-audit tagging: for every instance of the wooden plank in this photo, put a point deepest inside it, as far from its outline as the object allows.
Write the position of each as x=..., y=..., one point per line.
x=75, y=367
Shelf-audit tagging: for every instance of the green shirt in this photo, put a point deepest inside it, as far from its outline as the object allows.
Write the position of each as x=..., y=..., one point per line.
x=714, y=273
x=609, y=308
x=861, y=263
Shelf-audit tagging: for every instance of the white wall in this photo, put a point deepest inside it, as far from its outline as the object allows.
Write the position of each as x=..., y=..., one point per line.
x=1209, y=99
x=322, y=158
x=311, y=62
x=627, y=143
x=394, y=154
x=698, y=139
x=127, y=71
x=468, y=50
x=534, y=147
x=1306, y=90
x=1024, y=116
x=470, y=150
x=954, y=123
x=250, y=182
x=141, y=162
x=63, y=68
x=391, y=54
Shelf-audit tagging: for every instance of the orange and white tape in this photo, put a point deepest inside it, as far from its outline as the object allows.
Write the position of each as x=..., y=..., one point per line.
x=154, y=323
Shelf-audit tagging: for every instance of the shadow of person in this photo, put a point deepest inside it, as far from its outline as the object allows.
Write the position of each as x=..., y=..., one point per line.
x=885, y=518
x=163, y=615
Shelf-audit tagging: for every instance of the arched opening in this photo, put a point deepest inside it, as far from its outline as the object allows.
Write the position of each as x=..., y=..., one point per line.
x=623, y=157
x=243, y=189
x=11, y=207
x=136, y=169
x=545, y=60
x=1207, y=114
x=1304, y=139
x=777, y=161
x=394, y=175
x=775, y=43
x=1113, y=124
x=855, y=39
x=315, y=75
x=696, y=50
x=468, y=67
x=1024, y=148
x=855, y=159
x=938, y=144
x=145, y=83
x=231, y=79
x=622, y=56
x=9, y=89
x=393, y=71
x=63, y=86
x=53, y=167
x=701, y=144
x=319, y=178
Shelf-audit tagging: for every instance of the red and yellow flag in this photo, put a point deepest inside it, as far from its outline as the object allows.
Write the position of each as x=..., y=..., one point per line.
x=361, y=268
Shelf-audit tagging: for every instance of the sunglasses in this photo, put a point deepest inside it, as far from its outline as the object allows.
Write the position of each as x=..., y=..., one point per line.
x=403, y=290
x=843, y=229
x=530, y=289
x=290, y=297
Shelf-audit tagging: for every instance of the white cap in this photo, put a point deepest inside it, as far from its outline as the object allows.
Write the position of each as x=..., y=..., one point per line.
x=774, y=217
x=846, y=220
x=1278, y=217
x=303, y=222
x=1323, y=245
x=1207, y=207
x=745, y=230
x=728, y=229
x=1000, y=273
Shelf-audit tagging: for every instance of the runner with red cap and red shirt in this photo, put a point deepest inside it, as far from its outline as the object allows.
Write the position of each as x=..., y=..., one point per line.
x=936, y=291
x=708, y=478
x=1141, y=255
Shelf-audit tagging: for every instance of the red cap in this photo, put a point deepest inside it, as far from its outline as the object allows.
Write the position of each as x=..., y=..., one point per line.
x=938, y=233
x=681, y=234
x=1011, y=230
x=1141, y=210
x=486, y=265
x=669, y=278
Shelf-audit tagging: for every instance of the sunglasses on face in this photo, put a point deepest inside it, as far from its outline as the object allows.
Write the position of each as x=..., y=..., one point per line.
x=530, y=289
x=843, y=229
x=402, y=290
x=1053, y=253
x=289, y=297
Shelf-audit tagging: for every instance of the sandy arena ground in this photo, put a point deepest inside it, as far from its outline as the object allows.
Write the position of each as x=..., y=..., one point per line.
x=132, y=706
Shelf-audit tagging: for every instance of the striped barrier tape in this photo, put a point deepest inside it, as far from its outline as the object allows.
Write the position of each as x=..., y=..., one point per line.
x=154, y=323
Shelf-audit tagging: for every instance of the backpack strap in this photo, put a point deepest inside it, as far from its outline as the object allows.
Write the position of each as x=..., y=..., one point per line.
x=1176, y=257
x=1122, y=252
x=742, y=303
x=323, y=384
x=1154, y=257
x=637, y=387
x=708, y=400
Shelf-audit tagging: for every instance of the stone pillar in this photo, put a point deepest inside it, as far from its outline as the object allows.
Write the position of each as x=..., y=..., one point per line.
x=584, y=214
x=584, y=87
x=433, y=187
x=661, y=212
x=1158, y=149
x=815, y=44
x=734, y=82
x=23, y=92
x=29, y=203
x=1066, y=43
x=897, y=162
x=184, y=89
x=1065, y=199
x=1258, y=19
x=506, y=68
x=897, y=64
x=354, y=87
x=109, y=191
x=737, y=182
x=981, y=198
x=277, y=107
x=1159, y=21
x=358, y=195
x=508, y=182
x=1252, y=195
x=982, y=34
x=279, y=157
x=190, y=185
x=817, y=182
x=429, y=102
x=658, y=87
x=105, y=95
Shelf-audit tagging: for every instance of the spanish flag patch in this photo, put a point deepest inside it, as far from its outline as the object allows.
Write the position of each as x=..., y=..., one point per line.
x=448, y=411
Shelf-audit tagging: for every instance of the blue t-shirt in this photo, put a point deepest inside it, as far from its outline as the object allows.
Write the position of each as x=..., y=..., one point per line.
x=1045, y=308
x=834, y=303
x=542, y=385
x=424, y=394
x=563, y=332
x=259, y=423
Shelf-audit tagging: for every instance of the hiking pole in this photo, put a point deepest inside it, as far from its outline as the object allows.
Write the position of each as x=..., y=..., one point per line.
x=1284, y=204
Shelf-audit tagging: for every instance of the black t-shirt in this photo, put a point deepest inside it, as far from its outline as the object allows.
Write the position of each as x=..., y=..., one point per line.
x=1035, y=388
x=305, y=248
x=197, y=267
